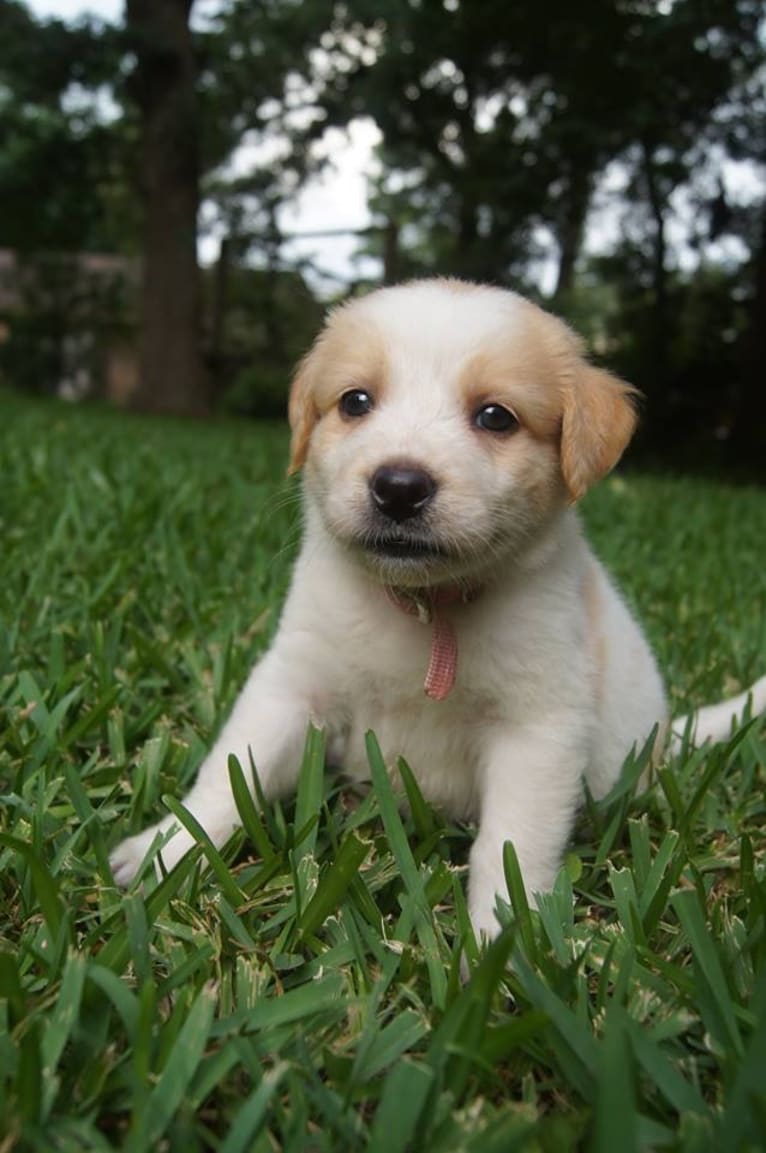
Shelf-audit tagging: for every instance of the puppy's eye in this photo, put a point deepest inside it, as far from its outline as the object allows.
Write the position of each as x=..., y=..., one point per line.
x=495, y=418
x=355, y=402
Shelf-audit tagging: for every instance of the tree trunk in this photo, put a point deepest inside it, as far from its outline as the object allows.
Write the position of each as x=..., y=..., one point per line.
x=391, y=260
x=220, y=304
x=468, y=229
x=172, y=377
x=570, y=232
x=749, y=435
x=660, y=334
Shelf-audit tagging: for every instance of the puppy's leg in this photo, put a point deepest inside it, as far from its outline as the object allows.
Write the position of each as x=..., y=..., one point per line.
x=269, y=719
x=531, y=790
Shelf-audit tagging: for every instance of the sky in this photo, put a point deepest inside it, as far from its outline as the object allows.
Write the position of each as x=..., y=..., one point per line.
x=335, y=199
x=70, y=9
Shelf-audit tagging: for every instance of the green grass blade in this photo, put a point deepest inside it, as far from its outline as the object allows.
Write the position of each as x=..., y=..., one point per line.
x=173, y=1083
x=296, y=1005
x=115, y=954
x=422, y=813
x=680, y=1093
x=118, y=993
x=400, y=848
x=51, y=905
x=406, y=1095
x=718, y=1006
x=391, y=1043
x=63, y=1019
x=742, y=1123
x=253, y=1115
x=519, y=902
x=248, y=812
x=308, y=799
x=334, y=884
x=456, y=1048
x=223, y=875
x=615, y=1119
x=11, y=990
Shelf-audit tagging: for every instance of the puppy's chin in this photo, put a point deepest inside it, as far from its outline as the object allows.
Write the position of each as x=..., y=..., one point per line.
x=408, y=571
x=411, y=561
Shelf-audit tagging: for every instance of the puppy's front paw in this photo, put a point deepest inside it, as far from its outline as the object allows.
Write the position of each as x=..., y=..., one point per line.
x=483, y=917
x=126, y=859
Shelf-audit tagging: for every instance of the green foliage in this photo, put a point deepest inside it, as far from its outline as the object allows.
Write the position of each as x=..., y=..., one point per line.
x=498, y=119
x=269, y=320
x=500, y=124
x=67, y=313
x=249, y=55
x=308, y=994
x=63, y=193
x=693, y=409
x=61, y=178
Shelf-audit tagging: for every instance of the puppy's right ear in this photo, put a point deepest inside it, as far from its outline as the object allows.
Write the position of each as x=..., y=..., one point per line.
x=302, y=413
x=600, y=417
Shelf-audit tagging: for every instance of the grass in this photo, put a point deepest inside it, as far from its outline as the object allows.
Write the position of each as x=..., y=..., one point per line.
x=305, y=994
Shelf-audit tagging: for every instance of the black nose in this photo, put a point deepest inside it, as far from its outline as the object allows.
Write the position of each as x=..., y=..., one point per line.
x=401, y=492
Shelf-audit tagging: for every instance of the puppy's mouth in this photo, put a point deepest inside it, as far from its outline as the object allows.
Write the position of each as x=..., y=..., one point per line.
x=399, y=546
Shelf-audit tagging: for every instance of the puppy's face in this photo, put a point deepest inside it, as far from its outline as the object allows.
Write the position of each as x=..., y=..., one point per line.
x=442, y=424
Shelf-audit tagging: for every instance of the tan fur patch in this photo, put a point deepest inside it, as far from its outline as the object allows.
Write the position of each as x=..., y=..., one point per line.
x=600, y=417
x=347, y=354
x=520, y=376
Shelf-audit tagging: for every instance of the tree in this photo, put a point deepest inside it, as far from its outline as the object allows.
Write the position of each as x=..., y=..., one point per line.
x=200, y=94
x=750, y=427
x=499, y=122
x=62, y=200
x=60, y=164
x=743, y=128
x=164, y=88
x=495, y=124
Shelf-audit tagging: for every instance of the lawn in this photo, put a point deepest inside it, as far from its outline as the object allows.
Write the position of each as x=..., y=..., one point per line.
x=301, y=990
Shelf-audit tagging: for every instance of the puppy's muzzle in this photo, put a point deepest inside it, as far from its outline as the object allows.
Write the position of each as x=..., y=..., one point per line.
x=401, y=492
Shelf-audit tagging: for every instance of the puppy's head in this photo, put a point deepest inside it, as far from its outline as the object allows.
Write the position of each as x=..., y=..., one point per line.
x=443, y=424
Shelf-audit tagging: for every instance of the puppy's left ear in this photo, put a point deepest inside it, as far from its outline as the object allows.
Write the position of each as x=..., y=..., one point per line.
x=302, y=414
x=600, y=417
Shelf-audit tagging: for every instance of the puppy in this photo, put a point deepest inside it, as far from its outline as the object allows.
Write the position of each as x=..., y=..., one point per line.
x=444, y=595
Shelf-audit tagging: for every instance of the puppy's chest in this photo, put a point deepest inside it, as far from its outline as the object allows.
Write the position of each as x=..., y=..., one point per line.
x=500, y=656
x=383, y=690
x=510, y=662
x=439, y=740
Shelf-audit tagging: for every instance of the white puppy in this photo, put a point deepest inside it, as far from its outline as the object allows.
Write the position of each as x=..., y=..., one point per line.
x=444, y=595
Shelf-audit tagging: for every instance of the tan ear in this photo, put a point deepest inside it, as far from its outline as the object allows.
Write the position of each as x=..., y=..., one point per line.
x=600, y=417
x=302, y=414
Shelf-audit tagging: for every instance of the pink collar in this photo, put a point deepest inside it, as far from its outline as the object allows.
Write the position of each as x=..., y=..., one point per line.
x=427, y=606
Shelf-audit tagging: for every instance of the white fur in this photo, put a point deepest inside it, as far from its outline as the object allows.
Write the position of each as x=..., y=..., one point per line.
x=555, y=680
